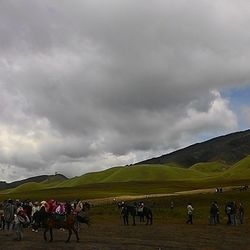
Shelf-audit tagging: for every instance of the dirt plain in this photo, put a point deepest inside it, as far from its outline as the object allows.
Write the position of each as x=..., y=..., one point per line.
x=160, y=236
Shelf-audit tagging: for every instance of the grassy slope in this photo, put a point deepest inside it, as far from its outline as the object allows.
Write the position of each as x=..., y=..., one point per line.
x=210, y=168
x=135, y=173
x=240, y=170
x=141, y=179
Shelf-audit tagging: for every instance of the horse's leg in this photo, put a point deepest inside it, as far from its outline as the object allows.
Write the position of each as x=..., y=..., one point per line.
x=127, y=220
x=44, y=233
x=51, y=234
x=133, y=220
x=124, y=220
x=142, y=218
x=78, y=226
x=76, y=233
x=70, y=232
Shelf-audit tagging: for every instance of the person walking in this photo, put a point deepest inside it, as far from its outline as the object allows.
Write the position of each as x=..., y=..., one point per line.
x=190, y=210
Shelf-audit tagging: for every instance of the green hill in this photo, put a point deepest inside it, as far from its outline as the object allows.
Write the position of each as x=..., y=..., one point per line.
x=211, y=168
x=148, y=173
x=240, y=170
x=134, y=180
x=139, y=173
x=27, y=187
x=38, y=179
x=34, y=186
x=205, y=172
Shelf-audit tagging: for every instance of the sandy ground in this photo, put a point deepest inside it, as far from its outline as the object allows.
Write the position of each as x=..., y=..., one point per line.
x=159, y=236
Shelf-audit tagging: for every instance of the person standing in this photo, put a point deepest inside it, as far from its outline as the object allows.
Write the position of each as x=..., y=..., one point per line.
x=217, y=212
x=171, y=205
x=228, y=209
x=2, y=223
x=9, y=211
x=20, y=218
x=190, y=210
x=124, y=213
x=241, y=213
x=18, y=225
x=233, y=213
x=213, y=214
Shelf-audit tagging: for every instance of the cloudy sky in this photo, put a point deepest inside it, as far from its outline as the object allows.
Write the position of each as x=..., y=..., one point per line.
x=86, y=84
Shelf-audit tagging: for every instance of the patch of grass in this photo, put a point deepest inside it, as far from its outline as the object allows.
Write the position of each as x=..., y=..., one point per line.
x=163, y=213
x=210, y=168
x=134, y=173
x=102, y=190
x=240, y=170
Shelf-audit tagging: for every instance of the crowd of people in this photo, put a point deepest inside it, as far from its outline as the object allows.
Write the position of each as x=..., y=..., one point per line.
x=235, y=213
x=15, y=214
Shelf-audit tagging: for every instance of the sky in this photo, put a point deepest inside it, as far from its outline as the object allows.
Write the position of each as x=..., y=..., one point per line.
x=86, y=85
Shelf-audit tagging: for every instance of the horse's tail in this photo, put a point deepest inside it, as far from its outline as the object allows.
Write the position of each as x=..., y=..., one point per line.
x=151, y=214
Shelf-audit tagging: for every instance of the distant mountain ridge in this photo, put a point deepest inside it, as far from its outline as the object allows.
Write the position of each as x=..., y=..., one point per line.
x=37, y=179
x=227, y=149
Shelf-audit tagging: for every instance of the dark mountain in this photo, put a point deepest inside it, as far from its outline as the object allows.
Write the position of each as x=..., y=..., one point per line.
x=227, y=149
x=41, y=178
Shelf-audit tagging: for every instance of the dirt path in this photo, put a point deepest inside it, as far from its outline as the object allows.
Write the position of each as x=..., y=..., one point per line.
x=113, y=236
x=133, y=197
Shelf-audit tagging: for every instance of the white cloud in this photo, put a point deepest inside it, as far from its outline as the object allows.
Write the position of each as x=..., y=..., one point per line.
x=87, y=85
x=217, y=117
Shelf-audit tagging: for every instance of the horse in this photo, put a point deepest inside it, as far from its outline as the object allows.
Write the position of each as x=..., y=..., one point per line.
x=68, y=221
x=86, y=205
x=81, y=215
x=243, y=188
x=127, y=210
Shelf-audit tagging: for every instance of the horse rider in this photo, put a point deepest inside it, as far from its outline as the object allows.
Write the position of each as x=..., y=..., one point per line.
x=44, y=206
x=35, y=210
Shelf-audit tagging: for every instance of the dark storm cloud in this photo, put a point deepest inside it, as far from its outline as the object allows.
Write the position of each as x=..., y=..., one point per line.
x=85, y=81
